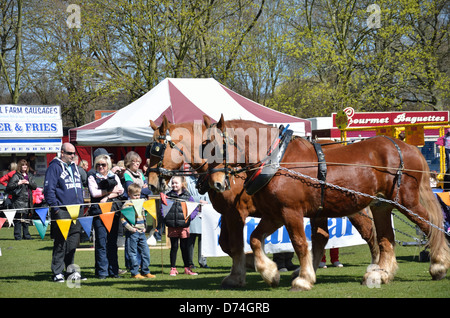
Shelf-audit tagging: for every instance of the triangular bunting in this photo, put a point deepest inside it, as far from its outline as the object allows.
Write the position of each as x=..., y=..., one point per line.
x=74, y=211
x=105, y=207
x=42, y=213
x=163, y=198
x=64, y=226
x=445, y=197
x=192, y=209
x=2, y=221
x=150, y=207
x=130, y=214
x=10, y=216
x=107, y=219
x=41, y=227
x=138, y=203
x=184, y=208
x=165, y=208
x=86, y=223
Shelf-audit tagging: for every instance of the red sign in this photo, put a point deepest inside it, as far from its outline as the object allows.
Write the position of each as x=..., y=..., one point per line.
x=356, y=120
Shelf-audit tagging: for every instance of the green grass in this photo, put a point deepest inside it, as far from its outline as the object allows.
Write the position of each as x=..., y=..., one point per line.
x=25, y=273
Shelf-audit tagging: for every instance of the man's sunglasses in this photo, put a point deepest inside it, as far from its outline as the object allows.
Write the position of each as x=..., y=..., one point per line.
x=69, y=153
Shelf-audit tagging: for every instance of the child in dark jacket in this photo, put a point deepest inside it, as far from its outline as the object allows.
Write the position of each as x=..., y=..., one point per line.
x=178, y=225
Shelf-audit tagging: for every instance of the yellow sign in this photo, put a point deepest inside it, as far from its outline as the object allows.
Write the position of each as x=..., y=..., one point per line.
x=385, y=131
x=415, y=135
x=341, y=120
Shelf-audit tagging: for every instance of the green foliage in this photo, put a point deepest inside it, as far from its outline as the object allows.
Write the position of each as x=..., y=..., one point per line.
x=306, y=58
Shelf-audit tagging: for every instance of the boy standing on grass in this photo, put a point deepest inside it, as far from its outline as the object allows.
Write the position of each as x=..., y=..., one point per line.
x=135, y=239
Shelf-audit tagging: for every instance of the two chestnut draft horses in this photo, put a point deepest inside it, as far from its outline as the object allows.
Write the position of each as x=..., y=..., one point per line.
x=381, y=167
x=171, y=141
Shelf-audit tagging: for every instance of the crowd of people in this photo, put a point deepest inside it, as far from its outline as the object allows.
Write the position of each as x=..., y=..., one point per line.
x=64, y=184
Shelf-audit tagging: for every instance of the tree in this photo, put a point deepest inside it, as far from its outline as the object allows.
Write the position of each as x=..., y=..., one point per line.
x=11, y=43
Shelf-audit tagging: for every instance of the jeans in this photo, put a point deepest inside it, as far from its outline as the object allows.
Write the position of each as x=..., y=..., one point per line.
x=106, y=261
x=137, y=243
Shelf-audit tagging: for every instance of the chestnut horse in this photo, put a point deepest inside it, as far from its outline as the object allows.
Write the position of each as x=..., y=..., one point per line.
x=172, y=146
x=381, y=172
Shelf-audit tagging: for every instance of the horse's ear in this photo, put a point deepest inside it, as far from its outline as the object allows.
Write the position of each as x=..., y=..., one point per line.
x=221, y=123
x=153, y=125
x=164, y=126
x=207, y=121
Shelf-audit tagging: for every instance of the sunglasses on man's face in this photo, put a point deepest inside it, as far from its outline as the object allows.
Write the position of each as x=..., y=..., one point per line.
x=69, y=153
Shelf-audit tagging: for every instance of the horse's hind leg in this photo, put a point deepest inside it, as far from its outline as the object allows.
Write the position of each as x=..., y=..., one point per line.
x=265, y=266
x=319, y=238
x=363, y=223
x=430, y=211
x=387, y=264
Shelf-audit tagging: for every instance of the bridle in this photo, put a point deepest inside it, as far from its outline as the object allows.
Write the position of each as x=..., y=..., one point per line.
x=157, y=149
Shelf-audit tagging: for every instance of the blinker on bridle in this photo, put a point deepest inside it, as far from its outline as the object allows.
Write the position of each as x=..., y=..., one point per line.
x=158, y=149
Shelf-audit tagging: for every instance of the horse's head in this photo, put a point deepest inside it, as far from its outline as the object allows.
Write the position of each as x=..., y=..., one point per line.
x=233, y=144
x=171, y=146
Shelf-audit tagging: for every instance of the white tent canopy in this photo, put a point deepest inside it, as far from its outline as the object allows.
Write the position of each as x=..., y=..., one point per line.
x=181, y=100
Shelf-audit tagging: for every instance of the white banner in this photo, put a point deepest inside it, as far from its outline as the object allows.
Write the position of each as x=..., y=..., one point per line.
x=342, y=234
x=30, y=121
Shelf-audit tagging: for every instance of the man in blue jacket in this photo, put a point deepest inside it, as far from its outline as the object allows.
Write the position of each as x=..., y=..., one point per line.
x=63, y=187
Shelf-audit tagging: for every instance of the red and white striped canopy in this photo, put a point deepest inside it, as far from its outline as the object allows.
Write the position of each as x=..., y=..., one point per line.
x=181, y=100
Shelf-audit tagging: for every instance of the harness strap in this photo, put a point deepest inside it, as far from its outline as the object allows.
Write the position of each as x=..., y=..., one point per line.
x=401, y=166
x=321, y=173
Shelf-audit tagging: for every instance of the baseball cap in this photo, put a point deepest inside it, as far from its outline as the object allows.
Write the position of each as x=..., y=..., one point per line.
x=101, y=151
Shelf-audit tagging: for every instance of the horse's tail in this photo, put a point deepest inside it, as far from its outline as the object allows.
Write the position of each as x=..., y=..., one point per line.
x=439, y=250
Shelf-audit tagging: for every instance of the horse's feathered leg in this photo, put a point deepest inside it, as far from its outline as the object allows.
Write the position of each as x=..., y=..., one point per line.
x=265, y=266
x=295, y=227
x=387, y=265
x=233, y=245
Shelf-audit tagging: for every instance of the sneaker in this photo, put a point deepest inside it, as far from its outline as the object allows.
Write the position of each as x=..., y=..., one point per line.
x=188, y=271
x=58, y=278
x=76, y=276
x=173, y=271
x=338, y=264
x=138, y=276
x=149, y=275
x=322, y=265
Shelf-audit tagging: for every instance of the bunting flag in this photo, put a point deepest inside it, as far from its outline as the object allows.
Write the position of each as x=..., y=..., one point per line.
x=163, y=198
x=192, y=209
x=64, y=226
x=105, y=207
x=86, y=223
x=10, y=216
x=41, y=227
x=129, y=214
x=2, y=221
x=107, y=219
x=150, y=207
x=42, y=213
x=445, y=197
x=165, y=208
x=138, y=203
x=74, y=211
x=184, y=209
